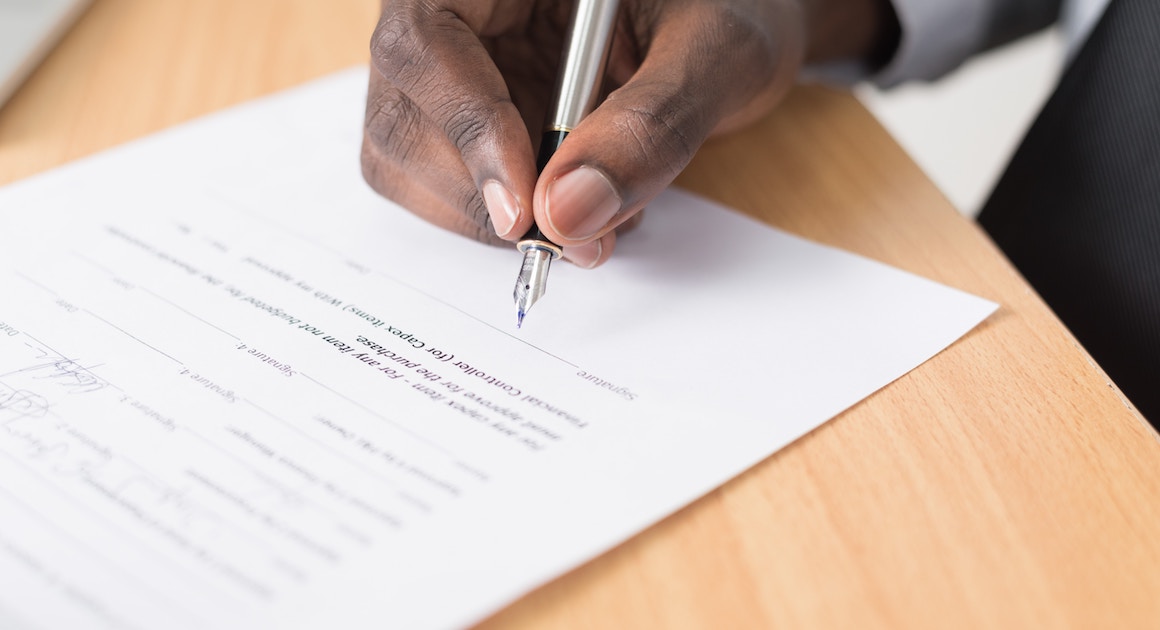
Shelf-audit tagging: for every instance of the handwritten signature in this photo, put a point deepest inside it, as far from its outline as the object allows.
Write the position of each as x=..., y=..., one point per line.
x=18, y=404
x=62, y=371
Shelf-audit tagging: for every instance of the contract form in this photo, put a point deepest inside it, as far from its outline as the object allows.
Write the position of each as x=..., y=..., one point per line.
x=237, y=391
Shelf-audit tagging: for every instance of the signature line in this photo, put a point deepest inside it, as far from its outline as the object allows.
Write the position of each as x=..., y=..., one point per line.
x=133, y=337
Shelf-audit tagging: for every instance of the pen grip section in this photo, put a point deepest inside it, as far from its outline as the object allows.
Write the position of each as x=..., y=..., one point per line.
x=549, y=143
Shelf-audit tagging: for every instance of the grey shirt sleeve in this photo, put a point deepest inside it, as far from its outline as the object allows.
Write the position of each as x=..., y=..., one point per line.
x=938, y=35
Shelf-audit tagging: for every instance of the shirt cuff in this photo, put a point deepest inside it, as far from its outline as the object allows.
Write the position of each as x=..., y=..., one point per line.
x=936, y=37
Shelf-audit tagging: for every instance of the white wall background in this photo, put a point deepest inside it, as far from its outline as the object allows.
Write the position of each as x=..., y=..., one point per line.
x=963, y=129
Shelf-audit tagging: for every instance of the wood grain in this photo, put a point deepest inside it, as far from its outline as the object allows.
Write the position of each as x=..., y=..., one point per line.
x=1004, y=483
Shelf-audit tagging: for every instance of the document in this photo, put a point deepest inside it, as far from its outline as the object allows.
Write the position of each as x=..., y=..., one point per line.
x=240, y=390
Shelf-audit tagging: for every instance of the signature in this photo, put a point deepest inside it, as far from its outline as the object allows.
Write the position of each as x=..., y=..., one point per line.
x=61, y=371
x=18, y=404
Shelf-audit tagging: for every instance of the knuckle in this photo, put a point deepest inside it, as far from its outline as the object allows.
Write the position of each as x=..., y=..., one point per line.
x=410, y=48
x=668, y=126
x=404, y=43
x=398, y=48
x=394, y=124
x=388, y=41
x=468, y=123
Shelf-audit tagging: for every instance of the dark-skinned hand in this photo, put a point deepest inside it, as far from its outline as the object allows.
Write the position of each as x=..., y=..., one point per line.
x=459, y=89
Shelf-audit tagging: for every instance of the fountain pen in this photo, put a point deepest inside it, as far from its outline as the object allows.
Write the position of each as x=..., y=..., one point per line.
x=577, y=92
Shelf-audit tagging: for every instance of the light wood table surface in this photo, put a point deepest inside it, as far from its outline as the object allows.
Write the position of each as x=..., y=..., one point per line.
x=1005, y=483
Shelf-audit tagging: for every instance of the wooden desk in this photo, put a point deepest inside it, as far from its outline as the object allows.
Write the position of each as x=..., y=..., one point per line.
x=1005, y=483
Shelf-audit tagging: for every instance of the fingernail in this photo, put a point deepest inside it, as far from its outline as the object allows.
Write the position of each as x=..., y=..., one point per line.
x=501, y=206
x=581, y=203
x=586, y=255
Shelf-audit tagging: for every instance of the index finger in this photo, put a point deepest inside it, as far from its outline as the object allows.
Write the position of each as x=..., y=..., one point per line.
x=432, y=53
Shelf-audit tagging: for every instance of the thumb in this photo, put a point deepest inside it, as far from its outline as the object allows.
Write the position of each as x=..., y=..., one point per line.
x=704, y=65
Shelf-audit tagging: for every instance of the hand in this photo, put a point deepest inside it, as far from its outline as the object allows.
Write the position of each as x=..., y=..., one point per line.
x=459, y=89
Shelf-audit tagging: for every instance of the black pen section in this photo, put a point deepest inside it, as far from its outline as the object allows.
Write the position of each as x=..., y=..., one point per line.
x=549, y=142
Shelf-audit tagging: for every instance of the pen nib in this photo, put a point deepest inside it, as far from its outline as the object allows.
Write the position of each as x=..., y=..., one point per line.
x=532, y=281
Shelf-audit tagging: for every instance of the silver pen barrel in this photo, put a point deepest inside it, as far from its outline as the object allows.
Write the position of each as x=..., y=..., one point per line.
x=582, y=66
x=577, y=93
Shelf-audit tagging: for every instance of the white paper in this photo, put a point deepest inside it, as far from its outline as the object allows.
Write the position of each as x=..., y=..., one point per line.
x=239, y=390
